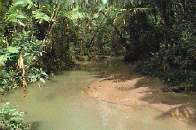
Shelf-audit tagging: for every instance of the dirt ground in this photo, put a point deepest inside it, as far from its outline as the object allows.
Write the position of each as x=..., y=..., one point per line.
x=121, y=86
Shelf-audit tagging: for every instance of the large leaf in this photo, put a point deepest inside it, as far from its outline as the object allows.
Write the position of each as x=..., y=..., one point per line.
x=40, y=16
x=3, y=59
x=104, y=1
x=23, y=3
x=16, y=16
x=13, y=49
x=75, y=14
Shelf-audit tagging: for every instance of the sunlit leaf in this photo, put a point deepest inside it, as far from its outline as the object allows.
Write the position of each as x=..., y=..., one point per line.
x=40, y=16
x=23, y=3
x=3, y=59
x=13, y=49
x=104, y=1
x=42, y=80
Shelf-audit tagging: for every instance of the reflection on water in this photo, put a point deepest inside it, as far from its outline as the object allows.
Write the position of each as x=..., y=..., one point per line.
x=61, y=105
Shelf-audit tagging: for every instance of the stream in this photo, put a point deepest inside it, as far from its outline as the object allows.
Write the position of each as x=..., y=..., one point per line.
x=61, y=104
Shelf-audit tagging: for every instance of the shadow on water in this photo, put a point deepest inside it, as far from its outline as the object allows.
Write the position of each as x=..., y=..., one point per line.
x=35, y=125
x=110, y=69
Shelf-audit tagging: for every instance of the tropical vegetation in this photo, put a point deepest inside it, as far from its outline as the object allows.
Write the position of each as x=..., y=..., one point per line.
x=42, y=37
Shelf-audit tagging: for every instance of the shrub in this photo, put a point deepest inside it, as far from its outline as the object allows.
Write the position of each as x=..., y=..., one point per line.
x=11, y=119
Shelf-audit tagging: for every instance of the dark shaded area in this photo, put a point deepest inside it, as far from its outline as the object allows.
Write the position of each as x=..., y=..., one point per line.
x=41, y=29
x=35, y=125
x=144, y=38
x=110, y=68
x=57, y=56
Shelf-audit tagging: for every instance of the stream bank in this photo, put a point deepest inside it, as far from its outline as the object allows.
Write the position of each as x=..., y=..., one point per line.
x=120, y=85
x=83, y=99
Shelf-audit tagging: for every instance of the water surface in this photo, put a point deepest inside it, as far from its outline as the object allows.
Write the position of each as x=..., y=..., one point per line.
x=61, y=105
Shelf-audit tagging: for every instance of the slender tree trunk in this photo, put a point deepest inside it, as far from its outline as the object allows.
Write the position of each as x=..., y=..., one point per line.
x=21, y=67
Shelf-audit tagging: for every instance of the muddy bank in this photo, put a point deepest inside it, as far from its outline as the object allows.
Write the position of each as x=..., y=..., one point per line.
x=123, y=87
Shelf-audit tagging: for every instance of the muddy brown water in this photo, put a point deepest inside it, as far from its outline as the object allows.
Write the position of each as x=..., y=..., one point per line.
x=61, y=105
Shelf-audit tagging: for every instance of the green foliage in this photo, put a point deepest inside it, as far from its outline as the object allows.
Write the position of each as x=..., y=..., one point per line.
x=174, y=59
x=23, y=3
x=32, y=49
x=11, y=119
x=40, y=16
x=160, y=34
x=18, y=41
